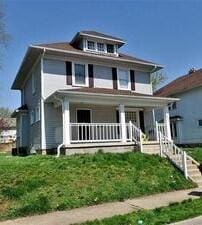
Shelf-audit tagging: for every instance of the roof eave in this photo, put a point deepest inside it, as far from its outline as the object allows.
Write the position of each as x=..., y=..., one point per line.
x=121, y=42
x=157, y=66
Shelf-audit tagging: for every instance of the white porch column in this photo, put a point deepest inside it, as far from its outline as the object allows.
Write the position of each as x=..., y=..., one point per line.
x=167, y=121
x=66, y=122
x=123, y=122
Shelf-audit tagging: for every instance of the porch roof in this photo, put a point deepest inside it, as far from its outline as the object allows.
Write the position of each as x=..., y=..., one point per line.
x=110, y=97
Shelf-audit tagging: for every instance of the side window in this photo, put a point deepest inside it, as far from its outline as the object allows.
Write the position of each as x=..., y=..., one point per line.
x=33, y=83
x=200, y=123
x=37, y=113
x=32, y=117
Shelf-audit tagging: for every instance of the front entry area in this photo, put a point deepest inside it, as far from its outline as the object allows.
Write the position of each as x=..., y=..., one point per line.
x=83, y=116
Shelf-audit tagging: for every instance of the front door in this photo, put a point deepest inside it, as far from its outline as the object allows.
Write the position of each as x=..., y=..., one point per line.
x=132, y=116
x=83, y=116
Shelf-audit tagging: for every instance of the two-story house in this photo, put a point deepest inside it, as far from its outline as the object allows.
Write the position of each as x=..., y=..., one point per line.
x=186, y=114
x=85, y=94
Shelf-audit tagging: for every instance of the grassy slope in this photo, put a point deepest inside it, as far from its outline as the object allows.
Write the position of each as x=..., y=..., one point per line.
x=37, y=184
x=164, y=215
x=196, y=153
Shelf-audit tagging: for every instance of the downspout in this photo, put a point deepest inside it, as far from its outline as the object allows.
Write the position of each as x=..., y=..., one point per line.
x=42, y=103
x=60, y=145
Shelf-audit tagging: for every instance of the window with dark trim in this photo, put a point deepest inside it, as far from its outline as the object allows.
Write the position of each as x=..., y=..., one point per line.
x=110, y=48
x=91, y=45
x=200, y=123
x=100, y=47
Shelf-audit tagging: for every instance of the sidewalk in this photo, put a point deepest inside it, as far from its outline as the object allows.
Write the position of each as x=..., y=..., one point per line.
x=105, y=210
x=194, y=221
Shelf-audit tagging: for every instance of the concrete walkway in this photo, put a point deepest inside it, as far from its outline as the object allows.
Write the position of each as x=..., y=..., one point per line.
x=194, y=221
x=106, y=210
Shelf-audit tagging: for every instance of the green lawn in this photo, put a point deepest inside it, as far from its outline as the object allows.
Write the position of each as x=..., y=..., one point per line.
x=196, y=153
x=38, y=184
x=164, y=215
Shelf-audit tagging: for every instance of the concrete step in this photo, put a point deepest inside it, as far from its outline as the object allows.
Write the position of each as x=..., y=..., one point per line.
x=192, y=166
x=194, y=172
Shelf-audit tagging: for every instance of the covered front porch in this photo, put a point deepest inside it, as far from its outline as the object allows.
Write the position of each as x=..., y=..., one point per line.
x=103, y=119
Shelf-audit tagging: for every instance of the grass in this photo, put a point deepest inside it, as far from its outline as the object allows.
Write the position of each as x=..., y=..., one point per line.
x=165, y=215
x=38, y=184
x=196, y=153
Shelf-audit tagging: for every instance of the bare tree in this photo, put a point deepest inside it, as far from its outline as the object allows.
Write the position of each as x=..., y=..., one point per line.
x=157, y=79
x=5, y=114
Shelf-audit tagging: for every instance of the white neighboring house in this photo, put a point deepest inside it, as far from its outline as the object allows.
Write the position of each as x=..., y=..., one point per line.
x=8, y=134
x=84, y=94
x=186, y=114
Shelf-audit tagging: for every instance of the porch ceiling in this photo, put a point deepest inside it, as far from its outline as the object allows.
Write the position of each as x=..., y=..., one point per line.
x=102, y=96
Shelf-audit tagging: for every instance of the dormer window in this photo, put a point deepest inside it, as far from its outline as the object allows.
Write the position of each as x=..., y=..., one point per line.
x=91, y=45
x=100, y=47
x=110, y=48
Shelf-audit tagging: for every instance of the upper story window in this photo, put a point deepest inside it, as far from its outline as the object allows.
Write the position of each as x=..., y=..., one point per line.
x=91, y=45
x=100, y=47
x=80, y=74
x=123, y=79
x=110, y=48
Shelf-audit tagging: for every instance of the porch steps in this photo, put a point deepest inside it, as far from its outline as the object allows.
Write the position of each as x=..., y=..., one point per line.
x=151, y=147
x=194, y=173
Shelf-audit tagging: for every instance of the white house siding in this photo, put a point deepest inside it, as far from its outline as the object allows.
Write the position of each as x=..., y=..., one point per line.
x=32, y=101
x=53, y=125
x=54, y=73
x=55, y=76
x=142, y=82
x=190, y=108
x=103, y=77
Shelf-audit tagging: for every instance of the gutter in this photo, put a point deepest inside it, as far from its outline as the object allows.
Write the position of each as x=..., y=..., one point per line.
x=98, y=56
x=122, y=96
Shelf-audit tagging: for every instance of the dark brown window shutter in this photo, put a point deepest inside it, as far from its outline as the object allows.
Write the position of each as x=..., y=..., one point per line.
x=69, y=72
x=114, y=78
x=90, y=75
x=132, y=79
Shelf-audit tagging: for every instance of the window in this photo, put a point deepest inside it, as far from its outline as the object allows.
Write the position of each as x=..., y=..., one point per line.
x=91, y=45
x=37, y=114
x=32, y=117
x=123, y=76
x=100, y=47
x=80, y=74
x=174, y=105
x=33, y=83
x=110, y=48
x=200, y=123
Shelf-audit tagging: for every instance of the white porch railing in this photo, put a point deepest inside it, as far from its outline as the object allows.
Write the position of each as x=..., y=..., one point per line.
x=97, y=132
x=103, y=132
x=167, y=147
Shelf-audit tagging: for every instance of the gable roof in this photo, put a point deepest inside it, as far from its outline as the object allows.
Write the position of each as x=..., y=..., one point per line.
x=181, y=84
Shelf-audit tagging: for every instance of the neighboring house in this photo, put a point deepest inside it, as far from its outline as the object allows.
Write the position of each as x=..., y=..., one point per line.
x=8, y=133
x=85, y=93
x=186, y=114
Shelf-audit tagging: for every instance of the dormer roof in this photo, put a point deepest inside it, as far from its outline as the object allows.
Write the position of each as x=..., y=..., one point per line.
x=97, y=35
